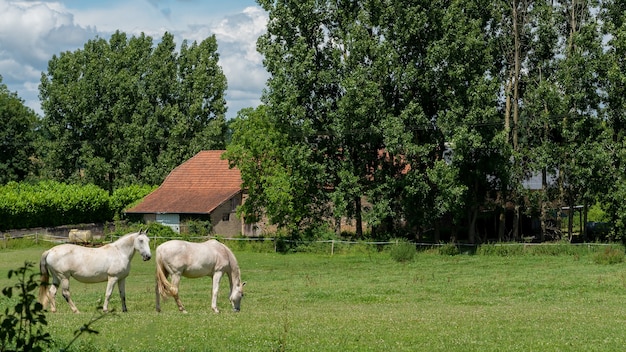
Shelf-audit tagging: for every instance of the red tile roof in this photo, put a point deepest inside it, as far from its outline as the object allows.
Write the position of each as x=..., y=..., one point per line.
x=197, y=186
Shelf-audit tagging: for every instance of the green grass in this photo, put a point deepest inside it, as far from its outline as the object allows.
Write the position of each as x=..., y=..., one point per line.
x=363, y=302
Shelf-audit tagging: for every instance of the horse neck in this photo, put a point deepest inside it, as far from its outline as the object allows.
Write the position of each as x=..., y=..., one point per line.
x=235, y=274
x=126, y=244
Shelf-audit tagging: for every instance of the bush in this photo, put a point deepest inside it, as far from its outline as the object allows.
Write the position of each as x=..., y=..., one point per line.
x=403, y=251
x=127, y=197
x=162, y=232
x=23, y=328
x=51, y=203
x=449, y=249
x=609, y=255
x=199, y=227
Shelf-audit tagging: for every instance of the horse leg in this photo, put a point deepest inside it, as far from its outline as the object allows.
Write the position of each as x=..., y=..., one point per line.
x=217, y=276
x=158, y=297
x=110, y=285
x=121, y=285
x=52, y=293
x=65, y=290
x=175, y=282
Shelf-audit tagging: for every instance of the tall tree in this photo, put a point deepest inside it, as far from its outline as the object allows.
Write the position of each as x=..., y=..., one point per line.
x=17, y=137
x=582, y=153
x=122, y=111
x=614, y=28
x=273, y=171
x=539, y=127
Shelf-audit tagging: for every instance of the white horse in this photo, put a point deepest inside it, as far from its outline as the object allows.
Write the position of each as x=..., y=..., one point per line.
x=109, y=263
x=181, y=258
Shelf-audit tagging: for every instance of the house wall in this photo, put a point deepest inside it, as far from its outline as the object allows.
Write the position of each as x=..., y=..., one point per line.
x=225, y=220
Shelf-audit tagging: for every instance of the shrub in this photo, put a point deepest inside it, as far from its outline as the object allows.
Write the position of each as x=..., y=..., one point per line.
x=127, y=197
x=199, y=227
x=162, y=232
x=609, y=255
x=403, y=251
x=51, y=203
x=449, y=249
x=23, y=328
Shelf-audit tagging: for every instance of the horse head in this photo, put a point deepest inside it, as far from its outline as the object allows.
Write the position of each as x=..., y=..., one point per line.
x=142, y=245
x=236, y=295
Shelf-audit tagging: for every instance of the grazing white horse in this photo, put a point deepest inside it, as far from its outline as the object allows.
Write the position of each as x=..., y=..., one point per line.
x=178, y=258
x=109, y=263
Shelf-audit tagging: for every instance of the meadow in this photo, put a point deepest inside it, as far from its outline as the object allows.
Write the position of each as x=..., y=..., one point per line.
x=361, y=300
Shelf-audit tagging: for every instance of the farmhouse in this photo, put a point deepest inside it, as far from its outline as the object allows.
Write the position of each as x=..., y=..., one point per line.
x=203, y=188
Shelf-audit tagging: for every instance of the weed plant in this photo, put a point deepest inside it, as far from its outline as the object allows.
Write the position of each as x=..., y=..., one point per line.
x=402, y=251
x=609, y=255
x=449, y=249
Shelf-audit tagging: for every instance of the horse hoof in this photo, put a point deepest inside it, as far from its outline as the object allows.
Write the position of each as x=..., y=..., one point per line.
x=184, y=312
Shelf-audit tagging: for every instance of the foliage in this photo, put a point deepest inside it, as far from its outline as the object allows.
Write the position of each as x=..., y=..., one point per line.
x=126, y=197
x=17, y=137
x=199, y=227
x=161, y=232
x=126, y=111
x=347, y=100
x=50, y=203
x=449, y=249
x=402, y=251
x=23, y=326
x=279, y=179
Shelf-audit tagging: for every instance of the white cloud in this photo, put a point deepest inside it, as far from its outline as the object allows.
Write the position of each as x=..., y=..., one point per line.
x=32, y=32
x=242, y=64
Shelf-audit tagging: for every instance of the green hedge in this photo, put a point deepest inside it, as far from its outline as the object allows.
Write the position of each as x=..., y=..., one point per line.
x=50, y=203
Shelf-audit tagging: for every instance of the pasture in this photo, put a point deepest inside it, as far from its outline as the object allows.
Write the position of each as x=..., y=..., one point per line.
x=361, y=302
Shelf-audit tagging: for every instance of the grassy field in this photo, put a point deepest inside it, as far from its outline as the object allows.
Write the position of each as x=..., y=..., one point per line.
x=363, y=302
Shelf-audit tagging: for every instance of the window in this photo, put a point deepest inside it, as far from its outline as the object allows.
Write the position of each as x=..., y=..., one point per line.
x=226, y=217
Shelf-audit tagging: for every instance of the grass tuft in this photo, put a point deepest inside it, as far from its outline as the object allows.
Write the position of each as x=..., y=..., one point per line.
x=403, y=251
x=609, y=255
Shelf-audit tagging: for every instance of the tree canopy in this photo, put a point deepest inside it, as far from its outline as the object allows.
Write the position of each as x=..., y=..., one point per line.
x=419, y=116
x=128, y=111
x=17, y=137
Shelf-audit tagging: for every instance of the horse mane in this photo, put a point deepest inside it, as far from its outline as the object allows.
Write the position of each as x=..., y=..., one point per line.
x=234, y=266
x=120, y=240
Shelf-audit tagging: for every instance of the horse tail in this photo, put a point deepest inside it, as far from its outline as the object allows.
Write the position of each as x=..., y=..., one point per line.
x=45, y=277
x=164, y=286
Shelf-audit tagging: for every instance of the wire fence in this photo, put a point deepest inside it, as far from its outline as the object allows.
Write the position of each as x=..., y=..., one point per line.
x=274, y=241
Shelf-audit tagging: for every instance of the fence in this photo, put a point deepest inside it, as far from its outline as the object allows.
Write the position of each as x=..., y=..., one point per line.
x=45, y=237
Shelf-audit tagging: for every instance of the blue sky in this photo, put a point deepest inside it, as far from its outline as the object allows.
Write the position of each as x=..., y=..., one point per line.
x=32, y=31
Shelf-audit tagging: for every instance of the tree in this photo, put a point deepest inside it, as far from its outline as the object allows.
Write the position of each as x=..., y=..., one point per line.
x=468, y=113
x=273, y=171
x=17, y=137
x=317, y=55
x=123, y=111
x=614, y=19
x=583, y=151
x=539, y=127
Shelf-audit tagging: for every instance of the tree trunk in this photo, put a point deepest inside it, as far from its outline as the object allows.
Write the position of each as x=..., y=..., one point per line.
x=472, y=225
x=516, y=221
x=544, y=205
x=358, y=217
